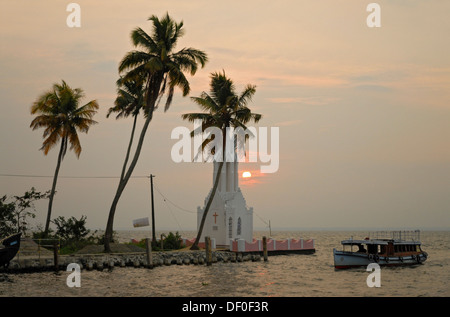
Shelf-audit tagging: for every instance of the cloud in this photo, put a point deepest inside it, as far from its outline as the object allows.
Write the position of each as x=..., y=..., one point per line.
x=288, y=123
x=313, y=101
x=374, y=88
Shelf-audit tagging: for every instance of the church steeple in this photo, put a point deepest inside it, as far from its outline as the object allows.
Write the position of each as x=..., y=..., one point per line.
x=229, y=178
x=229, y=218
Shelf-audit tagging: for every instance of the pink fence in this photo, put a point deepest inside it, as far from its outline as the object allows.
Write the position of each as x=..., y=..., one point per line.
x=254, y=246
x=308, y=244
x=189, y=242
x=233, y=245
x=272, y=245
x=282, y=245
x=257, y=245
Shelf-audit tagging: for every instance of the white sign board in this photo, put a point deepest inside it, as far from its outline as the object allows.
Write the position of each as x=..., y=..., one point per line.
x=141, y=222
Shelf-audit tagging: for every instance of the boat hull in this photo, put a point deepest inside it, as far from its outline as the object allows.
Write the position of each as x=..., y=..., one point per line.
x=345, y=260
x=10, y=249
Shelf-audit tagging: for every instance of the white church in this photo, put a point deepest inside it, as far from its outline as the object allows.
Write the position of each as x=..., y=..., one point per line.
x=228, y=217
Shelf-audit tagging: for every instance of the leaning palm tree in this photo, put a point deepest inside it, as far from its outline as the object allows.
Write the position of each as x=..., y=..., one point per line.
x=162, y=69
x=60, y=113
x=224, y=108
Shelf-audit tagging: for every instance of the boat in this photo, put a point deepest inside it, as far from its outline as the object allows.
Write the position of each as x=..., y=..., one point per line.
x=386, y=248
x=9, y=248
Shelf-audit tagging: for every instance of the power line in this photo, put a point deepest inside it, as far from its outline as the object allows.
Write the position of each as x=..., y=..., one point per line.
x=173, y=216
x=166, y=199
x=46, y=176
x=261, y=218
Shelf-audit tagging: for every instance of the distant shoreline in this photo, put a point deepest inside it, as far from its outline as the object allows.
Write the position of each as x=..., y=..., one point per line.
x=288, y=229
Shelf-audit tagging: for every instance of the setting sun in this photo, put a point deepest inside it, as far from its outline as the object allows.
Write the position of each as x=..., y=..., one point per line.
x=246, y=174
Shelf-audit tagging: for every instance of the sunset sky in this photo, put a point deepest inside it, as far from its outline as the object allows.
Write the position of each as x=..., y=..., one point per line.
x=363, y=113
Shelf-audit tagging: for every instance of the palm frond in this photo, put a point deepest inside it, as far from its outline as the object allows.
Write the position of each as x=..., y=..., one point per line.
x=162, y=70
x=74, y=141
x=133, y=59
x=61, y=116
x=141, y=38
x=224, y=108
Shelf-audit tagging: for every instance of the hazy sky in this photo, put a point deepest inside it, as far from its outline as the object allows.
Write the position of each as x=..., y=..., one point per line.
x=364, y=113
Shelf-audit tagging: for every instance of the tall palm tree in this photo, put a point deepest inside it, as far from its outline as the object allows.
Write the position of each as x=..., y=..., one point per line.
x=223, y=108
x=162, y=69
x=60, y=113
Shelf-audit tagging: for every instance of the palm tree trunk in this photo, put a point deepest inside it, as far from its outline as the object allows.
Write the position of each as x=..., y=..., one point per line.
x=205, y=212
x=129, y=148
x=213, y=192
x=123, y=182
x=55, y=178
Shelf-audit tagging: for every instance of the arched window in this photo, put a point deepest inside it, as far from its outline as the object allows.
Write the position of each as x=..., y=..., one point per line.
x=239, y=226
x=230, y=228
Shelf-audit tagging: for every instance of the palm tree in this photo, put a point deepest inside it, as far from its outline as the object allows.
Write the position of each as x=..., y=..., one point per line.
x=162, y=70
x=62, y=117
x=224, y=108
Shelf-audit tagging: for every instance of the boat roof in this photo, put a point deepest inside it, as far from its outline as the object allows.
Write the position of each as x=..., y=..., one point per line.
x=383, y=237
x=352, y=241
x=377, y=241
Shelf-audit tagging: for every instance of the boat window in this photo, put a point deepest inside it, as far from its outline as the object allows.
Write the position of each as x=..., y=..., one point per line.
x=372, y=248
x=361, y=248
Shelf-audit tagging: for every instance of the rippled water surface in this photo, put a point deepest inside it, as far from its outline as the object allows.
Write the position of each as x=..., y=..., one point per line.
x=283, y=275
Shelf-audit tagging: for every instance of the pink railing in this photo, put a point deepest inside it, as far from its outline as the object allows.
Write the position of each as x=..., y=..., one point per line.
x=282, y=245
x=272, y=245
x=257, y=245
x=308, y=244
x=190, y=242
x=254, y=246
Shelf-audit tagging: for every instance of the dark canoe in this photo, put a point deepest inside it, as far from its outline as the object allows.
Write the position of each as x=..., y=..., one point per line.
x=9, y=249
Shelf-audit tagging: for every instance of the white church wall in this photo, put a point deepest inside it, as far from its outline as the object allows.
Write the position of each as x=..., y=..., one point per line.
x=228, y=203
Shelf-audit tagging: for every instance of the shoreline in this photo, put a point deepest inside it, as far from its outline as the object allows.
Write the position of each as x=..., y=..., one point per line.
x=108, y=261
x=101, y=261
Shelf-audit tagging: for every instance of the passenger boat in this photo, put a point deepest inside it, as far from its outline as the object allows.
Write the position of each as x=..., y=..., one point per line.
x=391, y=248
x=9, y=248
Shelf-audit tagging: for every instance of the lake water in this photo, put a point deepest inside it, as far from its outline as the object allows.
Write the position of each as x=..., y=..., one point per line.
x=282, y=276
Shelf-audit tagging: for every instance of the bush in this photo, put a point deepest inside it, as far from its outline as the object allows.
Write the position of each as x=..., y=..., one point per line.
x=172, y=241
x=72, y=234
x=14, y=215
x=71, y=230
x=8, y=221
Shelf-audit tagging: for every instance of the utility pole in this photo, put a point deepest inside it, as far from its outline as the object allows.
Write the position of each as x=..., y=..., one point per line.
x=153, y=212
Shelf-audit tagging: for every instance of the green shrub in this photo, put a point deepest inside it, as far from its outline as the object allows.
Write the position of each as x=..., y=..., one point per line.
x=172, y=241
x=14, y=215
x=71, y=234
